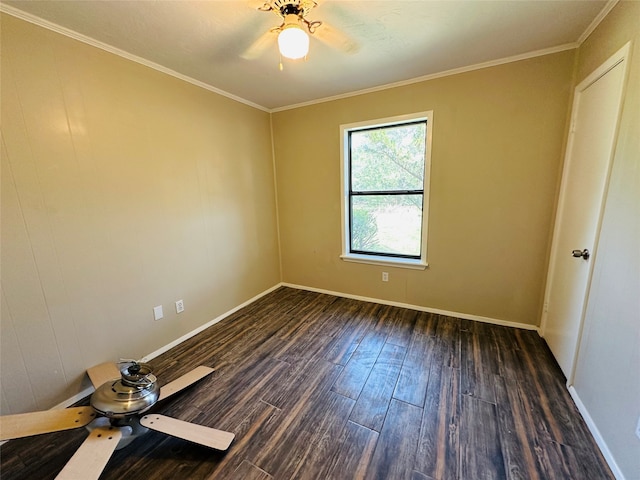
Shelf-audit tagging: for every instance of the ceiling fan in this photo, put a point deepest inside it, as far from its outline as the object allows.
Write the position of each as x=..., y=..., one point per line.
x=293, y=41
x=115, y=417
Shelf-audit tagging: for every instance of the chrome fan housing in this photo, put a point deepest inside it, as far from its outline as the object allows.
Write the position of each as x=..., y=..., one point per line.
x=134, y=392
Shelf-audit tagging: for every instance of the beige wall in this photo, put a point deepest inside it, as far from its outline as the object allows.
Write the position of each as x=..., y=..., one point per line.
x=607, y=376
x=497, y=149
x=122, y=189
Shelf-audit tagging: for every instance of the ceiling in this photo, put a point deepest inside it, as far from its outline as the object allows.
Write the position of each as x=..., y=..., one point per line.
x=397, y=41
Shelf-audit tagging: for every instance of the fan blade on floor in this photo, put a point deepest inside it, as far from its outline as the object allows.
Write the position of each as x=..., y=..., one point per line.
x=209, y=437
x=92, y=456
x=257, y=48
x=35, y=423
x=335, y=38
x=102, y=373
x=184, y=381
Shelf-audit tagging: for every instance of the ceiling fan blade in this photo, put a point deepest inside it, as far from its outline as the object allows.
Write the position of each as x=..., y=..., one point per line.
x=92, y=456
x=257, y=48
x=35, y=423
x=335, y=38
x=184, y=381
x=258, y=4
x=209, y=437
x=102, y=373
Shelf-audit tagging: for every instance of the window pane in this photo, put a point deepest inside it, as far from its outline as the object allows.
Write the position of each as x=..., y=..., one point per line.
x=388, y=158
x=389, y=224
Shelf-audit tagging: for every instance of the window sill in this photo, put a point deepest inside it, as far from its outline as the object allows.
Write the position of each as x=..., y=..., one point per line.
x=386, y=261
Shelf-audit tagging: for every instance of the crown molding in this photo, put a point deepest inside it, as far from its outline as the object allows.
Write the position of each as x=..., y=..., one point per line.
x=446, y=73
x=596, y=21
x=121, y=53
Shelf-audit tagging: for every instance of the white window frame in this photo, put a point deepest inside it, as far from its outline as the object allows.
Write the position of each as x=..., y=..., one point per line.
x=420, y=263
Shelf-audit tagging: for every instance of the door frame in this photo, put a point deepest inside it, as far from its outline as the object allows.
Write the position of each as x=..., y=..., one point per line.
x=621, y=56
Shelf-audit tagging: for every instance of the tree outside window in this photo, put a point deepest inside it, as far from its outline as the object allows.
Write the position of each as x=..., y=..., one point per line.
x=385, y=198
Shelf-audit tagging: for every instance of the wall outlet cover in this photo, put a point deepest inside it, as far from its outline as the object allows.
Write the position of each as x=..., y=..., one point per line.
x=157, y=312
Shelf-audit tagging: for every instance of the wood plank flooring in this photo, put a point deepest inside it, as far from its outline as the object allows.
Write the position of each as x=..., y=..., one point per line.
x=321, y=387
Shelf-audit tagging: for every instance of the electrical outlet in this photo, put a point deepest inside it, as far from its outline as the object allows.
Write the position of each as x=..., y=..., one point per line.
x=385, y=276
x=157, y=312
x=179, y=306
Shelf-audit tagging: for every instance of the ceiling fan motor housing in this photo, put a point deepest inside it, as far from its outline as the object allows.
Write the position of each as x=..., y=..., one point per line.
x=285, y=7
x=134, y=392
x=290, y=9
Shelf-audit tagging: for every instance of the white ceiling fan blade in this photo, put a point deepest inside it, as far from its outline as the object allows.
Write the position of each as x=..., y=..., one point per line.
x=261, y=45
x=35, y=423
x=102, y=373
x=257, y=4
x=184, y=381
x=92, y=456
x=209, y=437
x=335, y=38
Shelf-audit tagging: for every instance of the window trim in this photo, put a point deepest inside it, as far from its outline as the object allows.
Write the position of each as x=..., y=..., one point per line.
x=386, y=260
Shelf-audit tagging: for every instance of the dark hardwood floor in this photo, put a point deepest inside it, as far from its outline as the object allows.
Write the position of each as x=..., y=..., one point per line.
x=321, y=387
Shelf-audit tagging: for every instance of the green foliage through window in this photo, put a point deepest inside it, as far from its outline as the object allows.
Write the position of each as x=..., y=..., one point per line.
x=386, y=194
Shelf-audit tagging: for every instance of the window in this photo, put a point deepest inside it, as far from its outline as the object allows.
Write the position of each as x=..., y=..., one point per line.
x=385, y=165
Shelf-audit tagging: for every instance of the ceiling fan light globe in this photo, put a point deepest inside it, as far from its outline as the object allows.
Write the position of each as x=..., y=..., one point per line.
x=293, y=42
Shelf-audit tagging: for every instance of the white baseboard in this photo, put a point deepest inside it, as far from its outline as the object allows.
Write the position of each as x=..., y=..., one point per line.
x=466, y=316
x=66, y=403
x=194, y=332
x=76, y=398
x=583, y=411
x=79, y=396
x=89, y=390
x=606, y=453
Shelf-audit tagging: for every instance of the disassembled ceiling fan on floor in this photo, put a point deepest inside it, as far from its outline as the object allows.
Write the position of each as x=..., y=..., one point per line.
x=293, y=41
x=115, y=417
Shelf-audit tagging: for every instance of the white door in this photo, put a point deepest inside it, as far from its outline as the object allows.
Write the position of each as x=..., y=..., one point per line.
x=585, y=177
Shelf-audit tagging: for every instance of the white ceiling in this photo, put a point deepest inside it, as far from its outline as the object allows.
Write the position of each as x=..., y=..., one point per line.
x=399, y=41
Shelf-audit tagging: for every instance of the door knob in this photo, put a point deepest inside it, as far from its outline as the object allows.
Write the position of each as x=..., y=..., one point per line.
x=581, y=253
